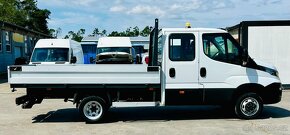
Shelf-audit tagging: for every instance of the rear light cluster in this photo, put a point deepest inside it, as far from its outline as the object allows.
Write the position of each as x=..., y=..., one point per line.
x=147, y=60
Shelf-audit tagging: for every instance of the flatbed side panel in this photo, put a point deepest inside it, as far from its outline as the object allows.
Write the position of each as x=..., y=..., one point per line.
x=82, y=74
x=88, y=86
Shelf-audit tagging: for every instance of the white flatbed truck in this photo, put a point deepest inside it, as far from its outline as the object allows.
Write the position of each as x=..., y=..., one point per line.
x=188, y=66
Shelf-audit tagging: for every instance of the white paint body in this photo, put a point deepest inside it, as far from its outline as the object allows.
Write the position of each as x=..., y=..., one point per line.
x=219, y=74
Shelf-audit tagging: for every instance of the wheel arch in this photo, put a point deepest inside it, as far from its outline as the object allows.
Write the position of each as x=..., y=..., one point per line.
x=248, y=88
x=80, y=95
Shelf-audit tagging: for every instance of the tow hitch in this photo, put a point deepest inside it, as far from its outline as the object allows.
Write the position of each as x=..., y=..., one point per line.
x=27, y=101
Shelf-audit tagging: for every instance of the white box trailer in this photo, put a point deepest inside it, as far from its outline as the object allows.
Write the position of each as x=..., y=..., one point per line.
x=267, y=41
x=187, y=66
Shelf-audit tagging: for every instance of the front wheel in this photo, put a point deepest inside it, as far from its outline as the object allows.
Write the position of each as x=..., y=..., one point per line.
x=248, y=106
x=92, y=109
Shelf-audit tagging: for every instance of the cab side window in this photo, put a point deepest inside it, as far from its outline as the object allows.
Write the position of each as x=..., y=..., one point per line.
x=221, y=47
x=181, y=47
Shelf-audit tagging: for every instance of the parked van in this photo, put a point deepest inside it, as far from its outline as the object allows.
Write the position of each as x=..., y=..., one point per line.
x=114, y=50
x=57, y=51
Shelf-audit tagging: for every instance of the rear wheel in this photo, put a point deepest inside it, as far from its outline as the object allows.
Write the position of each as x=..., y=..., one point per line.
x=92, y=109
x=248, y=106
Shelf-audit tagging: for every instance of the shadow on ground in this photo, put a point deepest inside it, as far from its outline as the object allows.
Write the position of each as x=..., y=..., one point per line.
x=158, y=114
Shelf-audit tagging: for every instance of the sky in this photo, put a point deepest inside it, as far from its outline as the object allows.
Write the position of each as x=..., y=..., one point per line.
x=118, y=15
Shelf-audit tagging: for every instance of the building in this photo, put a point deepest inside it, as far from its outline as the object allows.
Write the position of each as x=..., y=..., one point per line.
x=15, y=42
x=89, y=45
x=267, y=41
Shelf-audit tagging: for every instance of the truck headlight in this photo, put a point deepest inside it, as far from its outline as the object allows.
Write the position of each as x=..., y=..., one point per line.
x=272, y=72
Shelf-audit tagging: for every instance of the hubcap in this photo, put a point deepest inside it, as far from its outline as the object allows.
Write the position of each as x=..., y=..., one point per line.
x=93, y=110
x=249, y=106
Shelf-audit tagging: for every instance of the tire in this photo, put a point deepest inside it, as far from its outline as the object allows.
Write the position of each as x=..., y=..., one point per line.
x=92, y=109
x=248, y=106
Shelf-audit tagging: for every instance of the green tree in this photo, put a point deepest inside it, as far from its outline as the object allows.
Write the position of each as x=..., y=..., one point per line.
x=96, y=32
x=104, y=33
x=136, y=31
x=8, y=10
x=114, y=34
x=146, y=31
x=132, y=32
x=55, y=32
x=78, y=36
x=25, y=13
x=52, y=32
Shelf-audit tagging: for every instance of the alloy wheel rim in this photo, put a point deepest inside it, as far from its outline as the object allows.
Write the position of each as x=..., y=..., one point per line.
x=249, y=106
x=93, y=110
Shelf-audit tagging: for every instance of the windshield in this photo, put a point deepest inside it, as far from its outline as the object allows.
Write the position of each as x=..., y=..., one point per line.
x=49, y=54
x=114, y=49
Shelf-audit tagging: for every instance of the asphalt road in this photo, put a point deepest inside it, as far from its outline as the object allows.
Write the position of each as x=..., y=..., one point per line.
x=57, y=117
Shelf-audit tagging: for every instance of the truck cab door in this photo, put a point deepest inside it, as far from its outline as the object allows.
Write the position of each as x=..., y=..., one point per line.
x=181, y=69
x=220, y=67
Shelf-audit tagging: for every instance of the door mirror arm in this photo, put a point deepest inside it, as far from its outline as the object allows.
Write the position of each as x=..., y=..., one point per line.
x=73, y=59
x=245, y=57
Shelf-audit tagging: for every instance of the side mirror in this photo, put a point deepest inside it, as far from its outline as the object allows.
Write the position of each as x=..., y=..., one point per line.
x=73, y=59
x=245, y=57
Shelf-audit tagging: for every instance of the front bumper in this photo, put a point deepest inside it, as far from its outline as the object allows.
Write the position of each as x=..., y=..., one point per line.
x=272, y=93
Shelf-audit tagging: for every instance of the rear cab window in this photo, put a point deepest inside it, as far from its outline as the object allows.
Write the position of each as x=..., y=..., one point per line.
x=181, y=47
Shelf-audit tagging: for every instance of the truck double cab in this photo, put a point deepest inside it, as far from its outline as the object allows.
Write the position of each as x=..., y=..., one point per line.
x=187, y=66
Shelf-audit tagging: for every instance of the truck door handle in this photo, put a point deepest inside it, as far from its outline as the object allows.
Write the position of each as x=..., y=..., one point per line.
x=203, y=72
x=172, y=72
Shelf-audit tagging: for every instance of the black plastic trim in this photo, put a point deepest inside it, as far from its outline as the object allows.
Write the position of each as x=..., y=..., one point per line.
x=272, y=93
x=212, y=96
x=183, y=96
x=153, y=68
x=15, y=68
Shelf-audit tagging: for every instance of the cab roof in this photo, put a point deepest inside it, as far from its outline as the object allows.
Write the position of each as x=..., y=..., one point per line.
x=56, y=43
x=205, y=30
